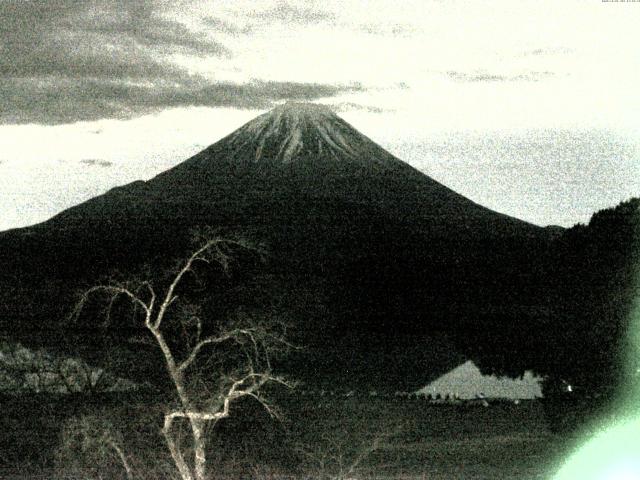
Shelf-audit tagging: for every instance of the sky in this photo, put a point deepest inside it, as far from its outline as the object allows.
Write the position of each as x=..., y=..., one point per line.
x=531, y=108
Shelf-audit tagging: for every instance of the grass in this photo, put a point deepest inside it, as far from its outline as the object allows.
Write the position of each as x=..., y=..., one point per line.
x=417, y=440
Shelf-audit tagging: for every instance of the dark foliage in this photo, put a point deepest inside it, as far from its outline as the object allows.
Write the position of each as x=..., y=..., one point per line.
x=580, y=334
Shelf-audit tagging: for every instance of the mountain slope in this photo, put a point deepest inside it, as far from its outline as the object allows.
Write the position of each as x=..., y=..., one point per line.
x=302, y=150
x=369, y=257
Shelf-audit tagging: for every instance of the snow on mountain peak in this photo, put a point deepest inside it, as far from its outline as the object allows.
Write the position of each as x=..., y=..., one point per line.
x=294, y=130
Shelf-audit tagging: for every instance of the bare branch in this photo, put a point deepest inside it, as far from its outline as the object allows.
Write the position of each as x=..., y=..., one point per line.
x=114, y=291
x=197, y=255
x=199, y=346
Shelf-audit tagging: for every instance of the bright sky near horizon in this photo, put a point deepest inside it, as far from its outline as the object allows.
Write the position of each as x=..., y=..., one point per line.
x=530, y=108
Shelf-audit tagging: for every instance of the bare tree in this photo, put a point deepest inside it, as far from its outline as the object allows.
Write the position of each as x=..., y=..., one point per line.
x=205, y=384
x=92, y=440
x=336, y=457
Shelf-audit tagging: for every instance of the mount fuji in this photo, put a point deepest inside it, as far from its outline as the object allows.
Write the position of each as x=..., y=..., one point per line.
x=370, y=259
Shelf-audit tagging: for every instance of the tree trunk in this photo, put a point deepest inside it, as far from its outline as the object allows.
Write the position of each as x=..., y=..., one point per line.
x=199, y=447
x=176, y=454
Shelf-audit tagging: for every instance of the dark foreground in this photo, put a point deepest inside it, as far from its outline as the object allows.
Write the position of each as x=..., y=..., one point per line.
x=319, y=437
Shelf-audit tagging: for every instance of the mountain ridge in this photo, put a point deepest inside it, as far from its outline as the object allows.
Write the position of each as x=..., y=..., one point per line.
x=302, y=149
x=306, y=149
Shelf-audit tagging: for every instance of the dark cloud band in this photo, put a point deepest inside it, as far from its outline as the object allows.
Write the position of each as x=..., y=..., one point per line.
x=53, y=100
x=63, y=61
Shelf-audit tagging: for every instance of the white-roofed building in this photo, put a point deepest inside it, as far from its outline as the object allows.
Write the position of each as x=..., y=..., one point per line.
x=467, y=382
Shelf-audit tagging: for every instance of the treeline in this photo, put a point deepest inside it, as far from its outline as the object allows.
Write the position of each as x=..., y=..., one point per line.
x=577, y=329
x=595, y=268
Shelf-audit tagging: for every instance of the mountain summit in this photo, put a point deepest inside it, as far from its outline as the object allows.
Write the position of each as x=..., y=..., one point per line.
x=304, y=150
x=294, y=131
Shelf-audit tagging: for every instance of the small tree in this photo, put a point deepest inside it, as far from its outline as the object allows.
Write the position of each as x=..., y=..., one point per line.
x=94, y=441
x=205, y=385
x=23, y=370
x=339, y=455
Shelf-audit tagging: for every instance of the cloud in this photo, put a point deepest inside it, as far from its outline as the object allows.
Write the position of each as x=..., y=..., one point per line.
x=64, y=61
x=532, y=76
x=395, y=30
x=283, y=13
x=548, y=51
x=56, y=99
x=164, y=35
x=101, y=39
x=93, y=162
x=220, y=25
x=347, y=106
x=287, y=13
x=73, y=36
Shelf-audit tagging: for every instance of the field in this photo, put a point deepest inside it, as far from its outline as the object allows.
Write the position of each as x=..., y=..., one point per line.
x=319, y=437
